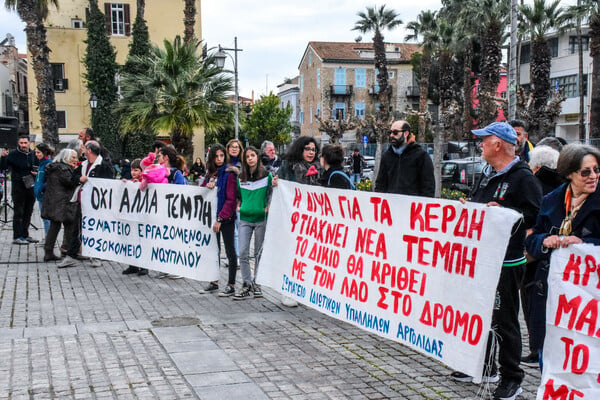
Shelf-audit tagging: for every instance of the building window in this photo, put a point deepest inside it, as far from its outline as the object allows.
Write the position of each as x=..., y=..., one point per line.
x=574, y=44
x=61, y=118
x=525, y=54
x=77, y=24
x=58, y=77
x=359, y=110
x=318, y=110
x=570, y=85
x=309, y=59
x=301, y=83
x=360, y=77
x=339, y=112
x=311, y=115
x=553, y=46
x=390, y=74
x=117, y=19
x=318, y=78
x=301, y=115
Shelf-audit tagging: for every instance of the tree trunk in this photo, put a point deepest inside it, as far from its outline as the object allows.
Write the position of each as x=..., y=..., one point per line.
x=182, y=143
x=189, y=21
x=467, y=90
x=423, y=91
x=382, y=77
x=540, y=79
x=490, y=74
x=438, y=141
x=39, y=51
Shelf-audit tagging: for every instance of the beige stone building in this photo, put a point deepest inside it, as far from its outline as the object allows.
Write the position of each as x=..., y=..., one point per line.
x=337, y=79
x=66, y=34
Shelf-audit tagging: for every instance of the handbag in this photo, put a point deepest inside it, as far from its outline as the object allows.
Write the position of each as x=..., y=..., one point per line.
x=28, y=181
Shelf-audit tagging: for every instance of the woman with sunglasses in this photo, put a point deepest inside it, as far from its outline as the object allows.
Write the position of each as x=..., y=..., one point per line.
x=301, y=162
x=569, y=215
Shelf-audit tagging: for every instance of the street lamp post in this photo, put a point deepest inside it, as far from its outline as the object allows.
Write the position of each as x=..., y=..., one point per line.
x=93, y=106
x=220, y=60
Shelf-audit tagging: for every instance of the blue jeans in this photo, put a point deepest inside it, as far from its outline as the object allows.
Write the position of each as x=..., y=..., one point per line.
x=46, y=221
x=246, y=229
x=355, y=178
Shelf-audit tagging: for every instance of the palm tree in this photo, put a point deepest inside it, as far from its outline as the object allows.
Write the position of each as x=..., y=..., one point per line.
x=376, y=20
x=34, y=13
x=179, y=90
x=189, y=20
x=423, y=27
x=538, y=20
x=591, y=9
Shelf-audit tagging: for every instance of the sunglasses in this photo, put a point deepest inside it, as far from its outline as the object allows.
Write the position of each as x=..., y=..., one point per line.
x=312, y=149
x=395, y=132
x=588, y=171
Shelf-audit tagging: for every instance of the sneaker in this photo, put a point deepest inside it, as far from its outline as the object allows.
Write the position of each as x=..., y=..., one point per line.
x=95, y=263
x=143, y=271
x=211, y=288
x=507, y=390
x=31, y=240
x=228, y=291
x=257, y=290
x=490, y=378
x=244, y=293
x=460, y=377
x=162, y=275
x=531, y=360
x=20, y=241
x=68, y=261
x=131, y=270
x=172, y=276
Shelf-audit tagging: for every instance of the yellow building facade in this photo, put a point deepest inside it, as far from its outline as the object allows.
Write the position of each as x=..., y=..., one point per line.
x=66, y=32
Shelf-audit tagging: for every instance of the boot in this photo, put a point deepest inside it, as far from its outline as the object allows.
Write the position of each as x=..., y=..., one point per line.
x=131, y=270
x=49, y=256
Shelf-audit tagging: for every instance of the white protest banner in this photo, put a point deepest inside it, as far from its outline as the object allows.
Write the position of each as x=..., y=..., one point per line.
x=166, y=228
x=572, y=344
x=419, y=271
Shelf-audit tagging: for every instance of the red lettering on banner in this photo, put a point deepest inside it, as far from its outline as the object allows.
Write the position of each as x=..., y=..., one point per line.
x=384, y=214
x=426, y=221
x=353, y=290
x=453, y=320
x=364, y=243
x=580, y=356
x=324, y=255
x=319, y=202
x=320, y=230
x=578, y=321
x=573, y=267
x=298, y=270
x=323, y=277
x=562, y=393
x=406, y=301
x=297, y=198
x=455, y=256
x=400, y=277
x=353, y=209
x=355, y=265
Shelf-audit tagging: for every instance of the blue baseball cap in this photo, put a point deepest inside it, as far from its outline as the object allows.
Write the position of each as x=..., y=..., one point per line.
x=501, y=130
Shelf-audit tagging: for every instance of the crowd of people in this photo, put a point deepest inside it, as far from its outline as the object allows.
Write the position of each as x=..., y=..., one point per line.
x=553, y=185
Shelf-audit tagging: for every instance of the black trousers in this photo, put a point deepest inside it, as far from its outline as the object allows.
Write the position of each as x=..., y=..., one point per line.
x=526, y=283
x=53, y=234
x=538, y=293
x=505, y=322
x=23, y=201
x=227, y=232
x=75, y=244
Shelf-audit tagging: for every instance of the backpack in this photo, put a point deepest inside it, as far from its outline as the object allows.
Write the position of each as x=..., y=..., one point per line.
x=352, y=187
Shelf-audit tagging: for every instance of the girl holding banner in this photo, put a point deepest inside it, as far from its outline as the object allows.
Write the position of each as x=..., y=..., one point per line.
x=224, y=177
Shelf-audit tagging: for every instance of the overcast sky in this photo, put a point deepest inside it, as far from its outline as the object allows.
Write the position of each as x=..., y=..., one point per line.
x=272, y=33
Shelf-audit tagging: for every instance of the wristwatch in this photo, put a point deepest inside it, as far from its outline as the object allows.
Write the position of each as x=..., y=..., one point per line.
x=219, y=219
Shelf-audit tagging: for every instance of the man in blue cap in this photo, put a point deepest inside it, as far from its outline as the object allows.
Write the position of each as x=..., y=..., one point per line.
x=506, y=181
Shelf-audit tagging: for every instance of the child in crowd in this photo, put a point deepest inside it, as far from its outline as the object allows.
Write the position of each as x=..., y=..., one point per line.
x=152, y=173
x=254, y=191
x=136, y=176
x=224, y=177
x=332, y=157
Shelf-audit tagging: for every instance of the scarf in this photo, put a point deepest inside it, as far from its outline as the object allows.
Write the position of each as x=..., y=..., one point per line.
x=567, y=225
x=222, y=176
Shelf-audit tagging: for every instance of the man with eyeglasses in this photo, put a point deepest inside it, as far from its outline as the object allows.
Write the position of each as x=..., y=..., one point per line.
x=506, y=181
x=405, y=167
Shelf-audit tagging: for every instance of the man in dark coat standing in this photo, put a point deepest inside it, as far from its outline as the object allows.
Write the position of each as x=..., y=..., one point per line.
x=506, y=181
x=405, y=167
x=21, y=163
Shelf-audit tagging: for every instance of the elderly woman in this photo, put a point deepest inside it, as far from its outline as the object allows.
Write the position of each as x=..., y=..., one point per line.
x=57, y=206
x=569, y=215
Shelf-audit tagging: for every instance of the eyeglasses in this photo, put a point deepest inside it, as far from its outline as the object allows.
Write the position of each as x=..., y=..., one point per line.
x=311, y=149
x=588, y=171
x=395, y=132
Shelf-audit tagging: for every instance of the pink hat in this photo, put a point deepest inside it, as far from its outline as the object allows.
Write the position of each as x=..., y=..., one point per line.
x=148, y=160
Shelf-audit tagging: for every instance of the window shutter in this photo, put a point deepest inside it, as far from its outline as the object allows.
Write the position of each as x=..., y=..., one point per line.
x=107, y=18
x=127, y=20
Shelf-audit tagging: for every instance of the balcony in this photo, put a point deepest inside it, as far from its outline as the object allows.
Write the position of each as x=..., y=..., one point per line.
x=413, y=91
x=341, y=90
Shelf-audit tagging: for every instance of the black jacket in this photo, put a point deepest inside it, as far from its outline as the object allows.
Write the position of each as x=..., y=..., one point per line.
x=549, y=179
x=338, y=181
x=59, y=190
x=19, y=163
x=410, y=173
x=518, y=189
x=102, y=170
x=585, y=225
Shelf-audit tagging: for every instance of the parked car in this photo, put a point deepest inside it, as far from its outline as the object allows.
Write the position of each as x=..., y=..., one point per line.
x=461, y=174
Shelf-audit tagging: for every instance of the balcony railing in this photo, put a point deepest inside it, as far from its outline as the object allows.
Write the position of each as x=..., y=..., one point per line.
x=341, y=90
x=413, y=91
